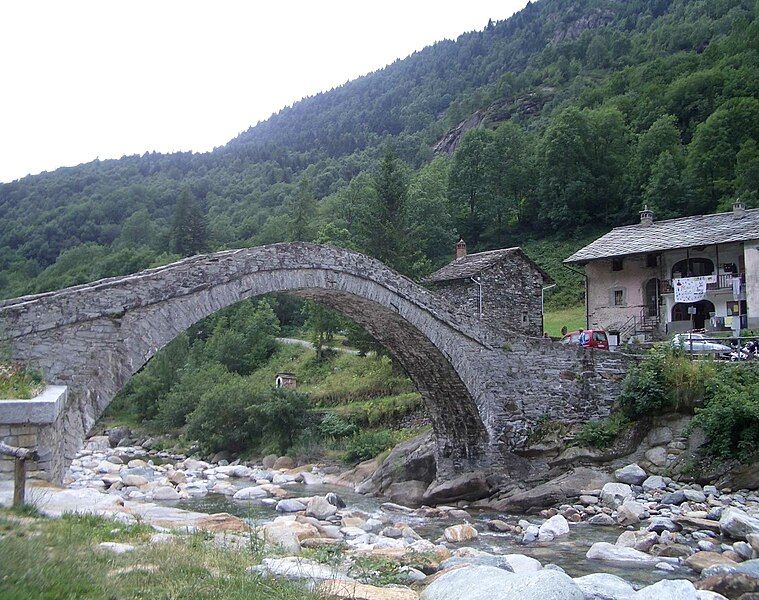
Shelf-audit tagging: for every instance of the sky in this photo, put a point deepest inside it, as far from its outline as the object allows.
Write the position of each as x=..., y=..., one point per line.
x=102, y=79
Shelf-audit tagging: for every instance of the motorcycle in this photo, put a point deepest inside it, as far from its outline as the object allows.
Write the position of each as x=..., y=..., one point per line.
x=749, y=352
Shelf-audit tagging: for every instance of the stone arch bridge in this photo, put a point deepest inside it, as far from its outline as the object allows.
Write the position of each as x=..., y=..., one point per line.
x=485, y=390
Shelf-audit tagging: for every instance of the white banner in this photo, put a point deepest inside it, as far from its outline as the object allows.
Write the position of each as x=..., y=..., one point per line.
x=690, y=289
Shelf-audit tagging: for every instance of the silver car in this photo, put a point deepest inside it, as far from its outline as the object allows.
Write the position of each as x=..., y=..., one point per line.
x=698, y=343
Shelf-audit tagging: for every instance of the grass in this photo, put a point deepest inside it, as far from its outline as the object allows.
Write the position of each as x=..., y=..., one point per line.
x=17, y=382
x=58, y=559
x=554, y=319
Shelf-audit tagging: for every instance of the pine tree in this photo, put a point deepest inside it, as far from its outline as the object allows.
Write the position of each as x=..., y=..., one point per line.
x=189, y=232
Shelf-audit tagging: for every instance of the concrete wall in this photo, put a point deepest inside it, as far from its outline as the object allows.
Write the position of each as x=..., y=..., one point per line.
x=511, y=296
x=484, y=390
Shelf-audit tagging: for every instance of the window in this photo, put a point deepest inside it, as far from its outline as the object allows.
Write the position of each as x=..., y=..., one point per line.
x=733, y=309
x=616, y=264
x=652, y=260
x=618, y=297
x=695, y=267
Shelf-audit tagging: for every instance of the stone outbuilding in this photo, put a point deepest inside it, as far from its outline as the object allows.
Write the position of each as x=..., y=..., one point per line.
x=503, y=287
x=286, y=381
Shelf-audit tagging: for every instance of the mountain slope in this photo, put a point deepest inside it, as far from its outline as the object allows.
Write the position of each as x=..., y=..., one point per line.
x=643, y=59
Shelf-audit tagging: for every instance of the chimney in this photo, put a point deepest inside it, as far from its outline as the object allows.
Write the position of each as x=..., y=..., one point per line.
x=739, y=209
x=460, y=248
x=646, y=216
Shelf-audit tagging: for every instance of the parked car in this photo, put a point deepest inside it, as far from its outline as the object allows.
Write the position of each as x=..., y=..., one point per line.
x=587, y=338
x=698, y=343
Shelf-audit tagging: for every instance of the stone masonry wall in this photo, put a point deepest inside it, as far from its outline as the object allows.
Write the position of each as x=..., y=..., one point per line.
x=511, y=296
x=484, y=390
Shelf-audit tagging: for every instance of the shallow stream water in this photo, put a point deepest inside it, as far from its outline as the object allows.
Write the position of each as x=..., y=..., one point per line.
x=567, y=551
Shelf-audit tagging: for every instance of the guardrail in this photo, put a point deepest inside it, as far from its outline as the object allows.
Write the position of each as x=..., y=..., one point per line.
x=698, y=347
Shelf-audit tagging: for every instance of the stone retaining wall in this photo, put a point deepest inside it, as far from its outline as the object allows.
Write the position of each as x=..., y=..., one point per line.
x=38, y=424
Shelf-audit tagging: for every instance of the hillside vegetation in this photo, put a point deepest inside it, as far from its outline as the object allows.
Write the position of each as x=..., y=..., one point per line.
x=583, y=112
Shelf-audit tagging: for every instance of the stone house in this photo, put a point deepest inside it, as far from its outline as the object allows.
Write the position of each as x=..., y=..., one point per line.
x=632, y=274
x=503, y=287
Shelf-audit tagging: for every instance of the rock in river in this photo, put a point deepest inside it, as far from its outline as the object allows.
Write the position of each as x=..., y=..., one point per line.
x=631, y=474
x=490, y=583
x=737, y=524
x=460, y=533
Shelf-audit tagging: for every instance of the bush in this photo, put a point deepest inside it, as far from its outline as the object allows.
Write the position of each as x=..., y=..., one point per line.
x=281, y=416
x=335, y=426
x=665, y=381
x=221, y=420
x=602, y=433
x=730, y=417
x=368, y=444
x=183, y=397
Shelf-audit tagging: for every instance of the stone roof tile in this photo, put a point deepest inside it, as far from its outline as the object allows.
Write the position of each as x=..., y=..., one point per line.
x=684, y=232
x=472, y=264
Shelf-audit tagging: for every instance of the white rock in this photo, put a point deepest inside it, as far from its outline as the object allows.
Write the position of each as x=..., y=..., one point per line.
x=620, y=555
x=614, y=494
x=290, y=505
x=165, y=493
x=520, y=563
x=492, y=583
x=460, y=533
x=115, y=547
x=294, y=568
x=250, y=493
x=605, y=586
x=553, y=528
x=668, y=589
x=736, y=524
x=654, y=482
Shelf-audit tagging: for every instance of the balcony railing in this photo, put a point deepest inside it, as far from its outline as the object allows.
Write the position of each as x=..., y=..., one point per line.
x=724, y=281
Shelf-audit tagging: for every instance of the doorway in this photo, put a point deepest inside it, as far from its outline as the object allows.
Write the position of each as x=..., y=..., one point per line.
x=703, y=310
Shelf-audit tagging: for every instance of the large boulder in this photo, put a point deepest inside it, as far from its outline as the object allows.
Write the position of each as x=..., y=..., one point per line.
x=668, y=589
x=407, y=493
x=614, y=494
x=737, y=524
x=630, y=513
x=556, y=491
x=346, y=589
x=467, y=486
x=412, y=460
x=460, y=533
x=320, y=508
x=731, y=585
x=287, y=535
x=605, y=586
x=703, y=560
x=621, y=555
x=553, y=528
x=631, y=474
x=250, y=493
x=491, y=583
x=117, y=434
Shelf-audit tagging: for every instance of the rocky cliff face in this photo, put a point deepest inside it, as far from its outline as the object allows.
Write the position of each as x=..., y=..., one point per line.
x=526, y=105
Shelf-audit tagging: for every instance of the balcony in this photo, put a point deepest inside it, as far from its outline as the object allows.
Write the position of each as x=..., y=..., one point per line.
x=721, y=282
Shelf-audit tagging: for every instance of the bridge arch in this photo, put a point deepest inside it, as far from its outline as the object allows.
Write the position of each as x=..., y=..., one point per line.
x=94, y=337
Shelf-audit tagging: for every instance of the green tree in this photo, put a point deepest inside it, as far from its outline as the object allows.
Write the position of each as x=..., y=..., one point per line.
x=301, y=212
x=322, y=324
x=747, y=172
x=665, y=192
x=189, y=232
x=470, y=184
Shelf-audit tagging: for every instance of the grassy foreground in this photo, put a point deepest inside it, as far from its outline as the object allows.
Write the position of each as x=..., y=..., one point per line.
x=58, y=559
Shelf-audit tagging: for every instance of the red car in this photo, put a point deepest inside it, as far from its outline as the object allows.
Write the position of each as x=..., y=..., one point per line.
x=587, y=338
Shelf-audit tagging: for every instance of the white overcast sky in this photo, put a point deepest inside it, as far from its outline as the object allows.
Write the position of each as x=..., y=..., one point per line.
x=100, y=78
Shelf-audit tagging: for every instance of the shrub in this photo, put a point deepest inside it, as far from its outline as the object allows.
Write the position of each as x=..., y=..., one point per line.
x=730, y=417
x=19, y=382
x=281, y=415
x=221, y=420
x=335, y=426
x=602, y=433
x=183, y=397
x=368, y=444
x=665, y=381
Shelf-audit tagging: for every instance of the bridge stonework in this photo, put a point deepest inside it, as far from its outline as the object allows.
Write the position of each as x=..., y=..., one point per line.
x=485, y=390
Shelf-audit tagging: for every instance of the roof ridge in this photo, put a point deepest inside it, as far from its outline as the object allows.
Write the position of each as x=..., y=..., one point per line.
x=655, y=222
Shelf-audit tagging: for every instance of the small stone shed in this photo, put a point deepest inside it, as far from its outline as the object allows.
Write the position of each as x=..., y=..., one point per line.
x=503, y=287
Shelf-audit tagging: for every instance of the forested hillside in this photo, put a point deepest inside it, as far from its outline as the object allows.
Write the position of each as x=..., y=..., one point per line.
x=580, y=112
